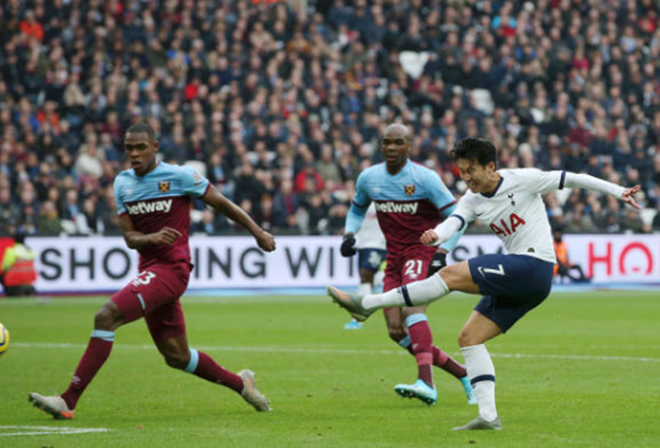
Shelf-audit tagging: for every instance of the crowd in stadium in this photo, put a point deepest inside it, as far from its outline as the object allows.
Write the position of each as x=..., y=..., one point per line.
x=280, y=104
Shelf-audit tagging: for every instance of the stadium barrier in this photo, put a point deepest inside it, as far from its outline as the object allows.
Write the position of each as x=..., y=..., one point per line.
x=105, y=264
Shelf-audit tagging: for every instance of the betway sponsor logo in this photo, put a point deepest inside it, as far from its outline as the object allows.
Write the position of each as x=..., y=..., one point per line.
x=150, y=207
x=397, y=207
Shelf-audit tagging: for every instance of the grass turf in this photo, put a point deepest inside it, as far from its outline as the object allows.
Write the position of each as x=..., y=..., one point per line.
x=580, y=371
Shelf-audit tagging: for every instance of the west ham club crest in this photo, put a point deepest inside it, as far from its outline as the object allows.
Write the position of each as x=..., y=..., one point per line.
x=164, y=187
x=409, y=189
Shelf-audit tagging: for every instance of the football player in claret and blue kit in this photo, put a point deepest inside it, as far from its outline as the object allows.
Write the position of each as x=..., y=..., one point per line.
x=408, y=199
x=153, y=202
x=512, y=284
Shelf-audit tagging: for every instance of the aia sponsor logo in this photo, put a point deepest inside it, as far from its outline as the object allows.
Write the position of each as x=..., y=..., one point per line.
x=505, y=229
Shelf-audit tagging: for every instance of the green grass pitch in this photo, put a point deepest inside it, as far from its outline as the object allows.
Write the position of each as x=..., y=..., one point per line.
x=582, y=370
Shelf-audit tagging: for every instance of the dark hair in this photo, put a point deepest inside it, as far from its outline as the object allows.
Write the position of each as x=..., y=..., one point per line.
x=479, y=150
x=19, y=237
x=138, y=128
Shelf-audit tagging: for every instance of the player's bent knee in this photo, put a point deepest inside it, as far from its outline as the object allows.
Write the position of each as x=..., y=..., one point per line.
x=108, y=317
x=396, y=334
x=174, y=355
x=467, y=338
x=177, y=360
x=449, y=275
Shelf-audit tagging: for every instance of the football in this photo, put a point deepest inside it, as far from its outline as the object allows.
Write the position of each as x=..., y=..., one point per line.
x=4, y=339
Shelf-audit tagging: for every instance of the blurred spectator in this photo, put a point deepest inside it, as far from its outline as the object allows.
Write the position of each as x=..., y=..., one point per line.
x=285, y=203
x=49, y=220
x=207, y=225
x=327, y=167
x=656, y=222
x=632, y=221
x=30, y=27
x=579, y=222
x=308, y=180
x=10, y=213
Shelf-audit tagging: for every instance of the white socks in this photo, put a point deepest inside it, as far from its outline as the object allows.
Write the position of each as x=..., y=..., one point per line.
x=364, y=289
x=412, y=294
x=482, y=376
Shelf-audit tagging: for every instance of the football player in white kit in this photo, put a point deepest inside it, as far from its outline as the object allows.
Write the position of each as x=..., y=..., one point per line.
x=509, y=202
x=371, y=250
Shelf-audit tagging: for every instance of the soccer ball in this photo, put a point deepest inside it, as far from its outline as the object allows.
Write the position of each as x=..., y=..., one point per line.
x=4, y=339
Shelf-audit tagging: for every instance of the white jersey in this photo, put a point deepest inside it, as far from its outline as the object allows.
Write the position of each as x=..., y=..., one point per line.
x=370, y=236
x=515, y=211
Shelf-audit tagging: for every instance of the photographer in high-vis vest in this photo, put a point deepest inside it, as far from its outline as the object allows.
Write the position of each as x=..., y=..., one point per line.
x=18, y=272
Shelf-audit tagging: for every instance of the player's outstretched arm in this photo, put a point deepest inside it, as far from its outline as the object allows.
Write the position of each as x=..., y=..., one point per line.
x=575, y=180
x=215, y=199
x=138, y=240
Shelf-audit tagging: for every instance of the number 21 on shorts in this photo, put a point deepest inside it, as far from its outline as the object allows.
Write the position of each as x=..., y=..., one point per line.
x=413, y=268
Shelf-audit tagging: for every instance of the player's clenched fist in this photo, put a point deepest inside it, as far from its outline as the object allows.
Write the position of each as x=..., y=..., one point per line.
x=166, y=235
x=429, y=237
x=266, y=241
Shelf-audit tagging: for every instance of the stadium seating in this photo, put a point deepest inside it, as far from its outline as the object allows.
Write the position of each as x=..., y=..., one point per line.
x=254, y=92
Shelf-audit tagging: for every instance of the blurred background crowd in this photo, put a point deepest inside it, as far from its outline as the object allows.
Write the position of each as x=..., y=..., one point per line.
x=280, y=104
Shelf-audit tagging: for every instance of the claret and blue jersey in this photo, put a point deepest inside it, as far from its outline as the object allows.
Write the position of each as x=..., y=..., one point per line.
x=160, y=199
x=407, y=203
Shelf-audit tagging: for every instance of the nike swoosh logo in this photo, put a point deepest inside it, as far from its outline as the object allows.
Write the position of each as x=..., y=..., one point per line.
x=479, y=214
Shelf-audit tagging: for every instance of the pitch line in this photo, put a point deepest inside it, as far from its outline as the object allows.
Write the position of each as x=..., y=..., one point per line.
x=338, y=351
x=46, y=430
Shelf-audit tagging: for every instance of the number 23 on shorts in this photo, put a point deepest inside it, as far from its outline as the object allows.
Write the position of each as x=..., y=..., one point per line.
x=143, y=278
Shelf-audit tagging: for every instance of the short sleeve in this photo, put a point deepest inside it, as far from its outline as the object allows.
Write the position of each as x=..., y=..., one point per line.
x=537, y=181
x=193, y=183
x=117, y=188
x=465, y=209
x=439, y=194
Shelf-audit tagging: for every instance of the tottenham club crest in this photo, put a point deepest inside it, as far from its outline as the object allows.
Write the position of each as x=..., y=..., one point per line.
x=164, y=187
x=409, y=189
x=510, y=196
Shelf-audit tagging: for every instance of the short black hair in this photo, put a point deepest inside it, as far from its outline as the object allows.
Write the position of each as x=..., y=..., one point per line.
x=479, y=150
x=144, y=128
